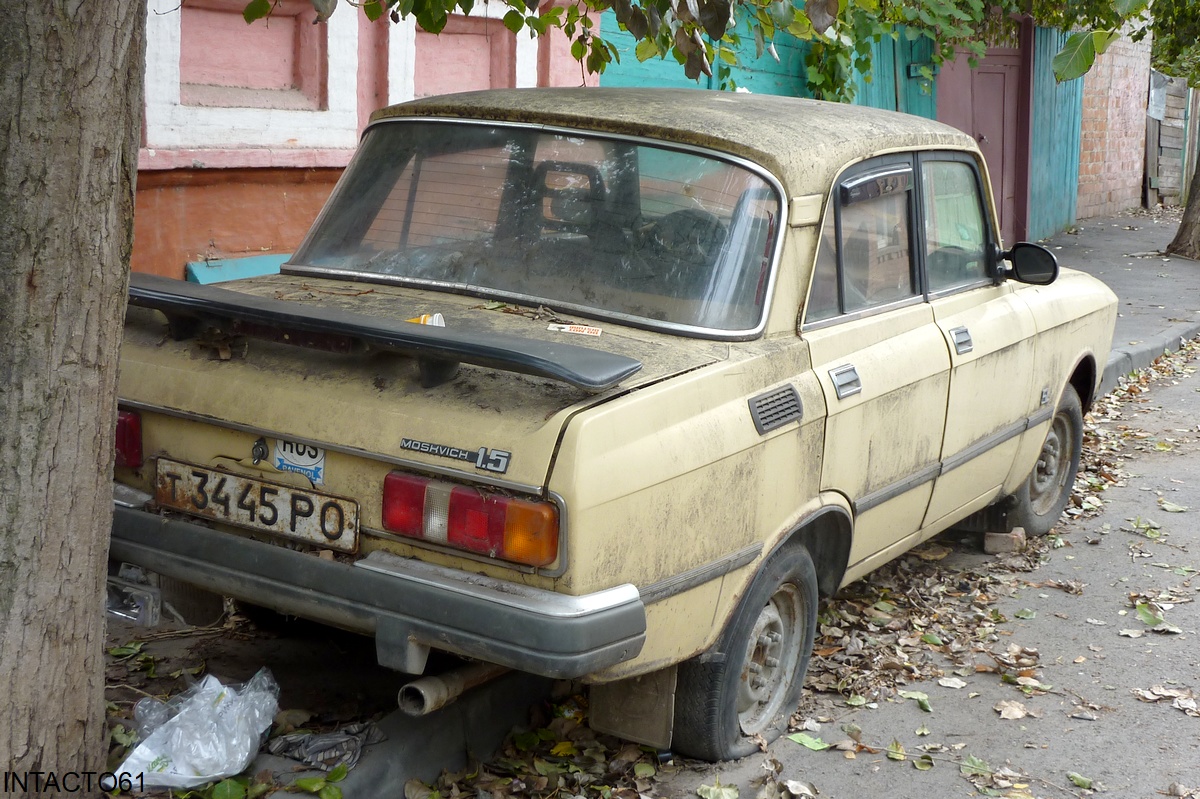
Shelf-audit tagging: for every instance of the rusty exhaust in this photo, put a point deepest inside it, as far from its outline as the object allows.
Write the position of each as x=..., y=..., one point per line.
x=428, y=694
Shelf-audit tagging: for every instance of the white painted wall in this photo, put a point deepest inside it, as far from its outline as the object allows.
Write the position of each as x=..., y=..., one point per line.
x=171, y=125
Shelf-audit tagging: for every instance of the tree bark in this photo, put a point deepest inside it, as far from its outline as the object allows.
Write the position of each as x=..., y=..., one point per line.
x=71, y=100
x=1187, y=239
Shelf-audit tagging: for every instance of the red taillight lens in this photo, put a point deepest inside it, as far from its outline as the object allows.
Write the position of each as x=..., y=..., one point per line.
x=470, y=519
x=475, y=522
x=404, y=503
x=129, y=439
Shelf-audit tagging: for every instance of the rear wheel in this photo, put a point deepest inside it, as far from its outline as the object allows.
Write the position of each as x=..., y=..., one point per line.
x=1042, y=498
x=750, y=683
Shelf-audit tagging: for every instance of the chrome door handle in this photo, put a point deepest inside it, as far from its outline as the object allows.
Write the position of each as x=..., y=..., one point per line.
x=845, y=380
x=962, y=340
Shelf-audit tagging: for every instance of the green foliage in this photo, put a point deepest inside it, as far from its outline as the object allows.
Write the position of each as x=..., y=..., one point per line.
x=1176, y=44
x=323, y=787
x=246, y=787
x=240, y=787
x=705, y=36
x=1173, y=24
x=256, y=9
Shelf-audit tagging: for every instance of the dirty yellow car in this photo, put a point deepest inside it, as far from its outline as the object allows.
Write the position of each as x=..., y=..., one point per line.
x=610, y=385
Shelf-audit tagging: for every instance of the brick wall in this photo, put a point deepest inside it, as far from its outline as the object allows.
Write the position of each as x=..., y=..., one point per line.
x=1113, y=145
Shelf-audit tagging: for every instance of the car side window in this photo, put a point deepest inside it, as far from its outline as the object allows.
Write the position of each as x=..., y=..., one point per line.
x=955, y=231
x=823, y=296
x=876, y=257
x=864, y=258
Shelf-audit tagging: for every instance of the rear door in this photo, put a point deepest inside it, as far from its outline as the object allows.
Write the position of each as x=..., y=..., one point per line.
x=882, y=362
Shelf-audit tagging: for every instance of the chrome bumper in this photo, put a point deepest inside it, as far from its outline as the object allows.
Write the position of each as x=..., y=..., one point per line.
x=409, y=606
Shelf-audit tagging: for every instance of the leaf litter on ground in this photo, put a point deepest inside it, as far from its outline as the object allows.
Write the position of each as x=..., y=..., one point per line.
x=924, y=616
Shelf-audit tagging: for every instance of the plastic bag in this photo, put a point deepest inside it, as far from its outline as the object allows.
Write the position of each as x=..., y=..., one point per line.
x=208, y=732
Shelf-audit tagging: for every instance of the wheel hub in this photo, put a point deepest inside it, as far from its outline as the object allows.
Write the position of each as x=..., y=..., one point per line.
x=770, y=660
x=1049, y=476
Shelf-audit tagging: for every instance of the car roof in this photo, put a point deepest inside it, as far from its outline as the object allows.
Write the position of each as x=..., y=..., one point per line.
x=804, y=143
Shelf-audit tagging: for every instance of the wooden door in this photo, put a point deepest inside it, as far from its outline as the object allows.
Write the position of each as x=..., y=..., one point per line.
x=991, y=103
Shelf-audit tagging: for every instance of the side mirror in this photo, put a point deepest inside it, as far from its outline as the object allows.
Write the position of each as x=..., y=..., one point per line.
x=1032, y=263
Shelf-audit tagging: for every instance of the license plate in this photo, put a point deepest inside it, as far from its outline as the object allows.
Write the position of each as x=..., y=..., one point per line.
x=309, y=516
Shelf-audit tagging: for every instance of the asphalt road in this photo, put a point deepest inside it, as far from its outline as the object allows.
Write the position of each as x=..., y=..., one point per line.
x=1090, y=722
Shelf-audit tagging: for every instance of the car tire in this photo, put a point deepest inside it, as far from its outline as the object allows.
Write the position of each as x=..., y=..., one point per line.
x=749, y=684
x=1044, y=495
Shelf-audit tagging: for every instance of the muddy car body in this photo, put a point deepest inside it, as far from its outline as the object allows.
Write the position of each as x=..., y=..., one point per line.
x=704, y=357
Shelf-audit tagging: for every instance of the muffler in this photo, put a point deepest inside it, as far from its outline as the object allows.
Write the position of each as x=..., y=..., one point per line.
x=428, y=694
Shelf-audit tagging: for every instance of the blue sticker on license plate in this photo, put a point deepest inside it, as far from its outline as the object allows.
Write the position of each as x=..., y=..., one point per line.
x=305, y=459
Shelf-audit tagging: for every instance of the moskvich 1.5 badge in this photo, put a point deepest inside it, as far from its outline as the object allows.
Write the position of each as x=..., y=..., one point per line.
x=491, y=460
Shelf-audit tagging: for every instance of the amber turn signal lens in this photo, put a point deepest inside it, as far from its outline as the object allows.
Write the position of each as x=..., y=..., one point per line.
x=531, y=532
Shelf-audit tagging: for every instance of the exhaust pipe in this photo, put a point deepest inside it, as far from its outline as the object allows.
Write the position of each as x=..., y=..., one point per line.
x=428, y=694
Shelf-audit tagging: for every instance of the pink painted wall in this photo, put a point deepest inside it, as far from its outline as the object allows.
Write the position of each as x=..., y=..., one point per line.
x=372, y=66
x=278, y=63
x=556, y=65
x=1113, y=145
x=217, y=47
x=470, y=53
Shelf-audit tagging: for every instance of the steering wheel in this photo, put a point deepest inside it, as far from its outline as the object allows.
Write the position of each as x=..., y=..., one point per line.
x=951, y=263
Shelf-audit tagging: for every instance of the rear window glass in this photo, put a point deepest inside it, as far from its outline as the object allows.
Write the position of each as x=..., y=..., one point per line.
x=610, y=227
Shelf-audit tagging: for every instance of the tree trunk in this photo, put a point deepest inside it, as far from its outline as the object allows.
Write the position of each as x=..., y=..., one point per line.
x=1187, y=238
x=70, y=109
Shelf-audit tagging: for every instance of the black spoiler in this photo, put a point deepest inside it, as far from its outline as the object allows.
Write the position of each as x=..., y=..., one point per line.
x=438, y=350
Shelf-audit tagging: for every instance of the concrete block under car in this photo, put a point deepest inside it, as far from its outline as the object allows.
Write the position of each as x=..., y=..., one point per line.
x=999, y=543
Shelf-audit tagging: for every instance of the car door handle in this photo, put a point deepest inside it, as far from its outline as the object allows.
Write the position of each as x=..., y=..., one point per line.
x=962, y=340
x=845, y=380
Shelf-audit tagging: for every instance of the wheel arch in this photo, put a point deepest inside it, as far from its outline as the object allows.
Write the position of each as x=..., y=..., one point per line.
x=1085, y=380
x=826, y=533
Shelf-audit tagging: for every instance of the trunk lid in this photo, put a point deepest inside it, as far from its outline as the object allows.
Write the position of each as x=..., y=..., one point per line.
x=371, y=400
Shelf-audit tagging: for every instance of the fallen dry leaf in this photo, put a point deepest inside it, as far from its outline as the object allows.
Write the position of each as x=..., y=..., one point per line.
x=1010, y=709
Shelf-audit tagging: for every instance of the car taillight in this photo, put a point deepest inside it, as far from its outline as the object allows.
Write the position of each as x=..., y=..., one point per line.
x=129, y=439
x=470, y=519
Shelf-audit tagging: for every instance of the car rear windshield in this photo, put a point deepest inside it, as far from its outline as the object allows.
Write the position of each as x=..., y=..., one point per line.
x=611, y=228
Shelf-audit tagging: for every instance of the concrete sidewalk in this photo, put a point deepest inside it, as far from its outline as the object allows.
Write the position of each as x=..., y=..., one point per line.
x=1159, y=294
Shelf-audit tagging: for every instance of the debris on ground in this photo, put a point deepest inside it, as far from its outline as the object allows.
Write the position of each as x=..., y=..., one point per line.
x=326, y=751
x=560, y=756
x=207, y=733
x=1180, y=698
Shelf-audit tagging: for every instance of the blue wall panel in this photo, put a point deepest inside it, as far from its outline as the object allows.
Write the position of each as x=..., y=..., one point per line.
x=765, y=75
x=1054, y=152
x=762, y=75
x=660, y=72
x=877, y=89
x=918, y=97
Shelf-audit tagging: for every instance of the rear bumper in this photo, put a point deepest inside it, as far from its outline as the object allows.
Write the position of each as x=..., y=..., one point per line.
x=406, y=604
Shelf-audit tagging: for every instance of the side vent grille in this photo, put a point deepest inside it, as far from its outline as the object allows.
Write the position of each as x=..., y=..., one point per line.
x=776, y=408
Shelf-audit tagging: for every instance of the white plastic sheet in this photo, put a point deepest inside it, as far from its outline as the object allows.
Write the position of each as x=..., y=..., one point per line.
x=208, y=732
